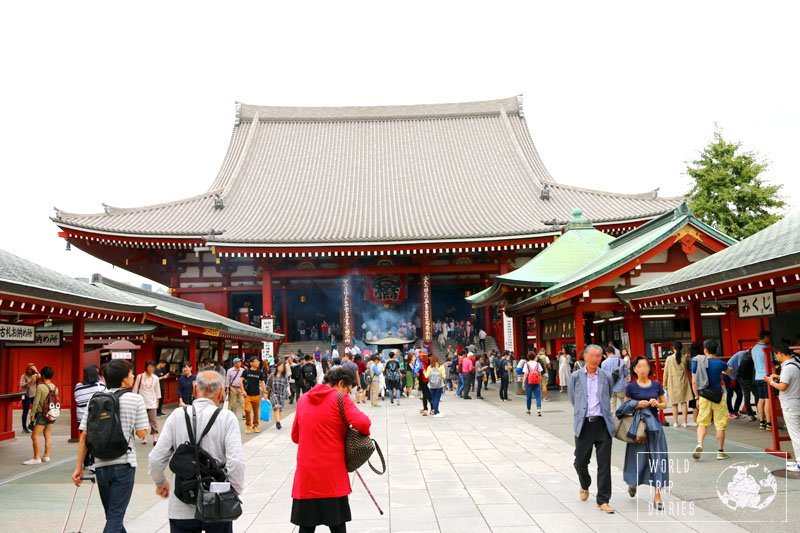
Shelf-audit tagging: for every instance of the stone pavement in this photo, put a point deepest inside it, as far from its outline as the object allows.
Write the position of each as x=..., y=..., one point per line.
x=485, y=466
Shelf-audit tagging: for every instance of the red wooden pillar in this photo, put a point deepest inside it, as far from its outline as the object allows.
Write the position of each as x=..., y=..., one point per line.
x=77, y=371
x=266, y=289
x=193, y=351
x=9, y=386
x=580, y=341
x=220, y=349
x=635, y=329
x=695, y=321
x=539, y=340
x=226, y=299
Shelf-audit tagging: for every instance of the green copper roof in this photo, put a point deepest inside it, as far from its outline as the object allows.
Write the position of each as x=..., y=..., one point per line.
x=624, y=249
x=579, y=244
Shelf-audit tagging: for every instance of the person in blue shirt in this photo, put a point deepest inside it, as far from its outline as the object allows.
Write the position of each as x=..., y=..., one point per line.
x=708, y=409
x=615, y=366
x=760, y=355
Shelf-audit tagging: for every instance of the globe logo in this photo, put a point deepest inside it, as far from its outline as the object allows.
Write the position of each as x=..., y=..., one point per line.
x=745, y=486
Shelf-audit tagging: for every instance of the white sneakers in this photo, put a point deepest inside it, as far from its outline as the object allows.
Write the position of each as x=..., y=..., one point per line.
x=439, y=415
x=32, y=462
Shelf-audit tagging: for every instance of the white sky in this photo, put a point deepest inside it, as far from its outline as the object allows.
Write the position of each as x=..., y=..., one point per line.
x=133, y=105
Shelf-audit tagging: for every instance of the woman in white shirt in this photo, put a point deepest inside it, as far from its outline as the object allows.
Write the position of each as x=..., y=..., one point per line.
x=147, y=386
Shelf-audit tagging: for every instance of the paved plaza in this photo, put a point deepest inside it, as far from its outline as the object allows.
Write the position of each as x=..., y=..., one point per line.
x=485, y=466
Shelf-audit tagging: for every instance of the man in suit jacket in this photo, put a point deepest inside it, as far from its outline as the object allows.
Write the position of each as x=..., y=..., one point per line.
x=590, y=390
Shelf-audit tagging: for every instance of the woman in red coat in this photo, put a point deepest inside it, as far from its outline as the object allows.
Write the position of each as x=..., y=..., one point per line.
x=321, y=481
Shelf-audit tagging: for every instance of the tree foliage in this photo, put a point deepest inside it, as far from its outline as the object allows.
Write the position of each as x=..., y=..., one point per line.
x=728, y=193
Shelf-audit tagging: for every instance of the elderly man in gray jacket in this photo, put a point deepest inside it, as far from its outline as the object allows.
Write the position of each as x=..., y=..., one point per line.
x=223, y=442
x=590, y=390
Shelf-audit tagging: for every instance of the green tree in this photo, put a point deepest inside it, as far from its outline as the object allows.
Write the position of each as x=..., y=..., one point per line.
x=728, y=193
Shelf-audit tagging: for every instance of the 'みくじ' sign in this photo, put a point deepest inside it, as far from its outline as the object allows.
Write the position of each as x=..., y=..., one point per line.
x=756, y=305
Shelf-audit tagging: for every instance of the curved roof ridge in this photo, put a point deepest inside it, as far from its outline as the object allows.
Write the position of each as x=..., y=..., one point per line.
x=650, y=195
x=248, y=112
x=111, y=210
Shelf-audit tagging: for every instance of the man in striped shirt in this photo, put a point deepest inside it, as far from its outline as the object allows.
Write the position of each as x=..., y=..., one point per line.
x=115, y=477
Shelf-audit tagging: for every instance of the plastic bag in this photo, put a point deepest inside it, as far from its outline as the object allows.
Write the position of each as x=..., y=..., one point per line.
x=266, y=411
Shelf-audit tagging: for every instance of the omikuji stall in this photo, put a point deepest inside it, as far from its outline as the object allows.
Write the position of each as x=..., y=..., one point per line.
x=753, y=285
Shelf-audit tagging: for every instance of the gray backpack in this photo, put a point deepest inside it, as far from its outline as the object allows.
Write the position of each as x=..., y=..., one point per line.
x=435, y=381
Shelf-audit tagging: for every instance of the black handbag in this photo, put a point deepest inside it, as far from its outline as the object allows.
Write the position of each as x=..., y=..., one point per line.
x=712, y=395
x=358, y=448
x=213, y=506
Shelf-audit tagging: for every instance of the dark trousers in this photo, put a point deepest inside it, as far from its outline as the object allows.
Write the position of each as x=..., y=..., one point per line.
x=733, y=405
x=504, y=388
x=26, y=408
x=294, y=391
x=594, y=435
x=115, y=485
x=492, y=376
x=426, y=394
x=436, y=395
x=469, y=379
x=480, y=384
x=482, y=343
x=160, y=401
x=746, y=386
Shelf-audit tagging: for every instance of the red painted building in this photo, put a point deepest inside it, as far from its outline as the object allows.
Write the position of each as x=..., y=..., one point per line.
x=345, y=214
x=569, y=291
x=49, y=319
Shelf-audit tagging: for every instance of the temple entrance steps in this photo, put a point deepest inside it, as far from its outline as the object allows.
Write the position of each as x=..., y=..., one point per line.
x=491, y=344
x=288, y=348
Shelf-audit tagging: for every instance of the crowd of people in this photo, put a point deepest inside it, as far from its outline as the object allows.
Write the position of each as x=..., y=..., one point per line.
x=612, y=396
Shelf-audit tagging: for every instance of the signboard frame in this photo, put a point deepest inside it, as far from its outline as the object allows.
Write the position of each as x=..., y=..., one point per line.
x=757, y=297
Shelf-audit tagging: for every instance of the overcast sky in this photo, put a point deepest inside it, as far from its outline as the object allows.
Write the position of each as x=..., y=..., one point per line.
x=134, y=105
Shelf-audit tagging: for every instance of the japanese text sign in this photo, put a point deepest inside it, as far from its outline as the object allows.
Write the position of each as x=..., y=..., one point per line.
x=756, y=305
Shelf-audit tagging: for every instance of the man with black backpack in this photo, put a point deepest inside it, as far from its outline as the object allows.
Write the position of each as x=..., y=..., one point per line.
x=309, y=373
x=393, y=378
x=112, y=419
x=205, y=435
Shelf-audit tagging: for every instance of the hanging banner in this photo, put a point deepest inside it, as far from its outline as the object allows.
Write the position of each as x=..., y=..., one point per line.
x=267, y=325
x=17, y=332
x=386, y=288
x=347, y=327
x=508, y=332
x=427, y=319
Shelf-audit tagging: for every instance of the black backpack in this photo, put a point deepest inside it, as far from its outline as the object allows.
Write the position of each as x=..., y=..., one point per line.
x=295, y=371
x=105, y=438
x=310, y=374
x=393, y=371
x=190, y=460
x=747, y=368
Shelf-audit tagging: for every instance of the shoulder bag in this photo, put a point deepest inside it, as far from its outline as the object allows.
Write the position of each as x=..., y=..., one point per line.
x=213, y=506
x=624, y=425
x=358, y=448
